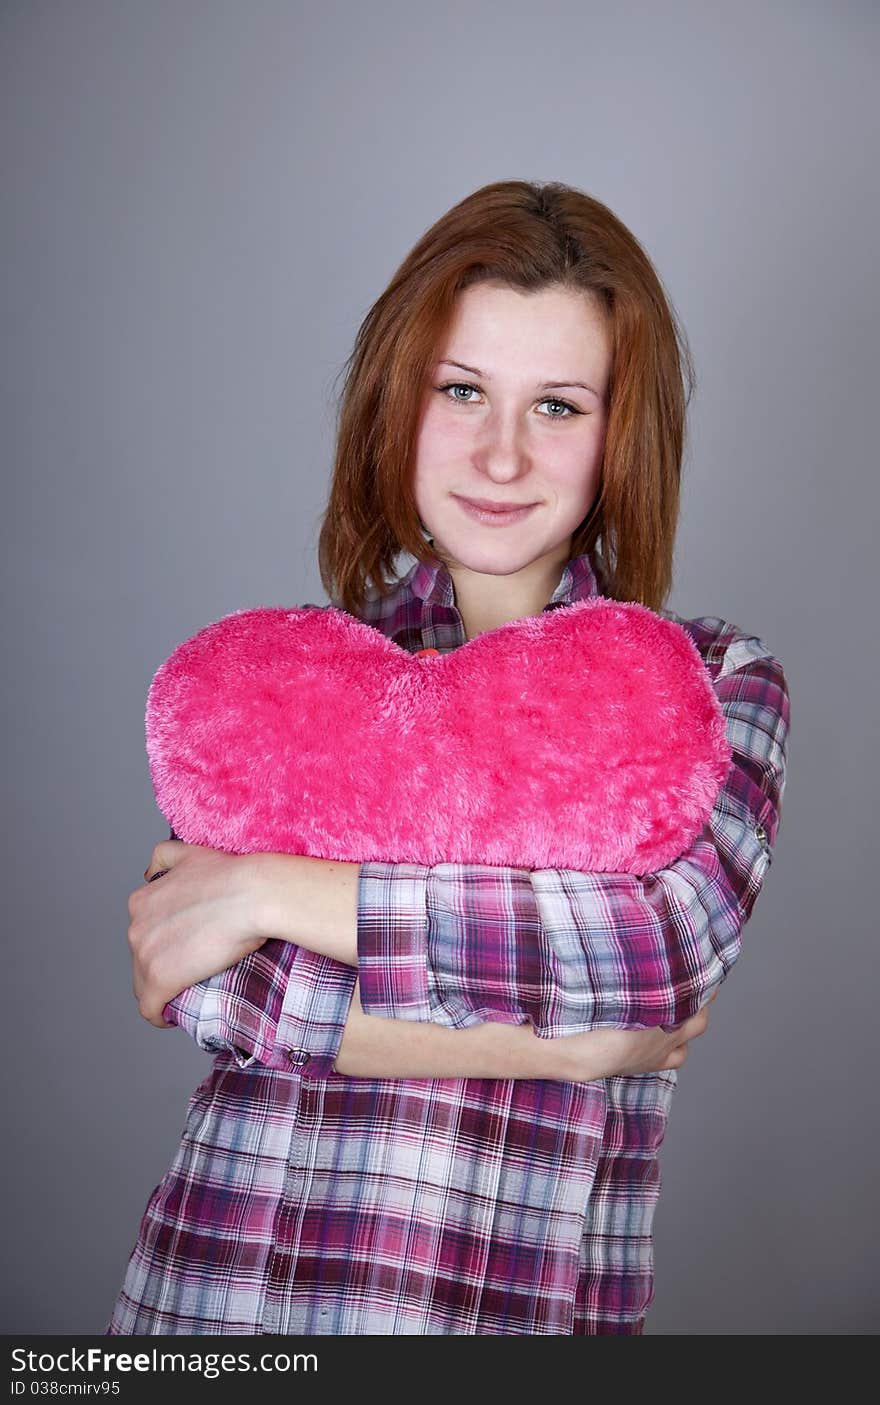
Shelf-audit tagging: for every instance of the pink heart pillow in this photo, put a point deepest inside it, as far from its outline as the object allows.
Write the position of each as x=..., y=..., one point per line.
x=586, y=737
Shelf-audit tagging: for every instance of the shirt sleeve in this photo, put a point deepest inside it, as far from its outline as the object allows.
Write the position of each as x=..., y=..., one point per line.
x=281, y=1006
x=569, y=951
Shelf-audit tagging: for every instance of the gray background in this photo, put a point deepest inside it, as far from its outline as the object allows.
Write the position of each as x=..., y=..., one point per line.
x=200, y=202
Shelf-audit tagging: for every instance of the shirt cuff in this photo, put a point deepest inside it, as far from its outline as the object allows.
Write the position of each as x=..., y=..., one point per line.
x=392, y=939
x=281, y=1006
x=313, y=1016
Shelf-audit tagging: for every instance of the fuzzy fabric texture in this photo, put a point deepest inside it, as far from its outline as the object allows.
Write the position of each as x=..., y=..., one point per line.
x=587, y=737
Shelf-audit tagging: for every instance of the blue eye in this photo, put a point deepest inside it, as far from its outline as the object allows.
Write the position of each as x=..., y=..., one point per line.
x=550, y=400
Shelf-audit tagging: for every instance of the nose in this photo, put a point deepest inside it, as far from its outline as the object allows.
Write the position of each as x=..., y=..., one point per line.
x=502, y=453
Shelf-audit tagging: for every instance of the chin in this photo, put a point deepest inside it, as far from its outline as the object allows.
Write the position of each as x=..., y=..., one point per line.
x=489, y=561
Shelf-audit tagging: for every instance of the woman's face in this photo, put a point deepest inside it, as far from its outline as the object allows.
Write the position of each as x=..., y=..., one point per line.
x=499, y=433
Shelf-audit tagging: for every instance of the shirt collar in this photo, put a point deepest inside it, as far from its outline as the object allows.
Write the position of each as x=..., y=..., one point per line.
x=432, y=583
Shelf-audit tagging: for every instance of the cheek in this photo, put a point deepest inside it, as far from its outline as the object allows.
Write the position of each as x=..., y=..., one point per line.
x=576, y=466
x=439, y=445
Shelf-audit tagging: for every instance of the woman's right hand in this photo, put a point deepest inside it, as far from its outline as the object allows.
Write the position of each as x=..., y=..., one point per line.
x=630, y=1051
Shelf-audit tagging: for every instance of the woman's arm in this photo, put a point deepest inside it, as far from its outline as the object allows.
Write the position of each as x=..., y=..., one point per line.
x=260, y=1013
x=379, y=1048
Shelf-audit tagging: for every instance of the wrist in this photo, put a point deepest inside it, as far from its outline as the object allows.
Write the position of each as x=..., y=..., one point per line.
x=310, y=902
x=275, y=898
x=585, y=1057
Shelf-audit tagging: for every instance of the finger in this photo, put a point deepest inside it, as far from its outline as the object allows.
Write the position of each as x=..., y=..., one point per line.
x=164, y=856
x=152, y=1014
x=157, y=1022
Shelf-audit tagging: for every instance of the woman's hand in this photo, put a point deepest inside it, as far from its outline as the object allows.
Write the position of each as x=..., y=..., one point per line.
x=631, y=1051
x=192, y=918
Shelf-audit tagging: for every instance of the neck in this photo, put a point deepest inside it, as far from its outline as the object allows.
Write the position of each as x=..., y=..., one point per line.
x=487, y=602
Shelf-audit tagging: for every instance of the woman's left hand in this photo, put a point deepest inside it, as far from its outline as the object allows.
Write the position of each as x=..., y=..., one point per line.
x=192, y=918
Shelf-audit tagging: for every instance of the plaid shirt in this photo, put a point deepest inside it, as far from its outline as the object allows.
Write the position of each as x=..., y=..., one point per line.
x=304, y=1201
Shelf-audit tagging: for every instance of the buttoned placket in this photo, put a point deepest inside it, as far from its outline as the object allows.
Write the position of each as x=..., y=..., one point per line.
x=281, y=1314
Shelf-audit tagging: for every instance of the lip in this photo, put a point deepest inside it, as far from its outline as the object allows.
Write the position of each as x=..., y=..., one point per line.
x=494, y=516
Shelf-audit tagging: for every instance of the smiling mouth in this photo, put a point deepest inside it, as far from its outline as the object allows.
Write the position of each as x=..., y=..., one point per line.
x=495, y=514
x=487, y=506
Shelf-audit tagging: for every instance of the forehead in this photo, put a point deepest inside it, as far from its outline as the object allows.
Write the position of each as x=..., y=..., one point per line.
x=498, y=323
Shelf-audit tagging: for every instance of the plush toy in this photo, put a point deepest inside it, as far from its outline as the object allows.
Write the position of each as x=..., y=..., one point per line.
x=586, y=737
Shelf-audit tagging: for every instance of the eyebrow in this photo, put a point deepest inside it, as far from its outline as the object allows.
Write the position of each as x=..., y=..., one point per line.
x=548, y=385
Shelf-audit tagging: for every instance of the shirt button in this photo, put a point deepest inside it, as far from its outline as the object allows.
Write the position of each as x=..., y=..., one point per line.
x=761, y=835
x=298, y=1057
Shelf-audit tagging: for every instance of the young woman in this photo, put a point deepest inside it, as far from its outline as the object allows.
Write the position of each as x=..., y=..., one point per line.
x=439, y=1093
